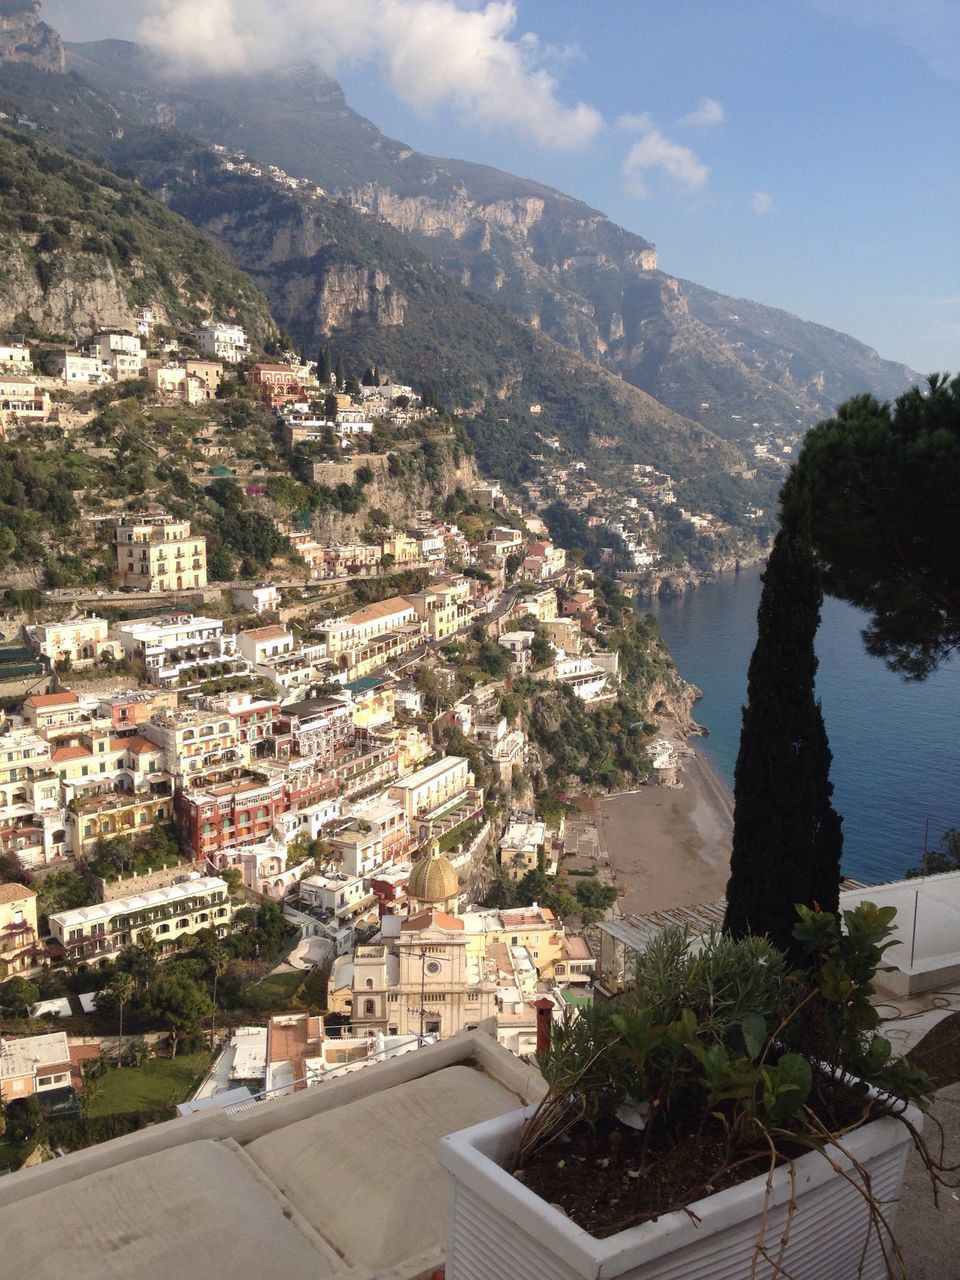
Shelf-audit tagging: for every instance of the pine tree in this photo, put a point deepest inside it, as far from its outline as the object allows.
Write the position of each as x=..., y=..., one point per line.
x=787, y=839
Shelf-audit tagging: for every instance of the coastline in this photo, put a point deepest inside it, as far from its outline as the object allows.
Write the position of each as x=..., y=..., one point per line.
x=669, y=846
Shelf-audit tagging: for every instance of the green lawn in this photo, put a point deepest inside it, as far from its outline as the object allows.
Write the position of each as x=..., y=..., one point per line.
x=278, y=988
x=157, y=1083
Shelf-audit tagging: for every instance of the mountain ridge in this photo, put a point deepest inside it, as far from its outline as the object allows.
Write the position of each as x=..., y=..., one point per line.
x=551, y=260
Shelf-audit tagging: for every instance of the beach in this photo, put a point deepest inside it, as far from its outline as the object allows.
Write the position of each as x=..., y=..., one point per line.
x=669, y=846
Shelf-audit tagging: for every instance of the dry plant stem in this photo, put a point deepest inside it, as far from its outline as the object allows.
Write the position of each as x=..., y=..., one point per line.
x=543, y=1126
x=878, y=1220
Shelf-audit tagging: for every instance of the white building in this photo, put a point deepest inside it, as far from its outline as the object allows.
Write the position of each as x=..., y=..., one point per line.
x=121, y=354
x=175, y=644
x=226, y=342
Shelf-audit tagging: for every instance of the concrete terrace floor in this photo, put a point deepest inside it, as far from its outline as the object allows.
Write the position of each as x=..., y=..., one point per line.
x=928, y=1234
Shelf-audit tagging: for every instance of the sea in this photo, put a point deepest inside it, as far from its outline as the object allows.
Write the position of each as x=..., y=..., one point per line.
x=895, y=744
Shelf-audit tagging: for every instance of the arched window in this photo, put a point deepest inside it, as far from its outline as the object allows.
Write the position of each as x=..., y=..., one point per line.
x=369, y=984
x=368, y=1008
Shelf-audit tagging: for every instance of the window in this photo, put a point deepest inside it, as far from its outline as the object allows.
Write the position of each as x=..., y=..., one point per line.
x=368, y=1008
x=369, y=984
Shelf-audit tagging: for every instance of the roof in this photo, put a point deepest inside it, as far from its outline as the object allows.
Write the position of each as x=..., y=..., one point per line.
x=16, y=892
x=381, y=609
x=134, y=743
x=67, y=699
x=433, y=879
x=137, y=902
x=577, y=948
x=366, y=683
x=428, y=919
x=70, y=753
x=267, y=633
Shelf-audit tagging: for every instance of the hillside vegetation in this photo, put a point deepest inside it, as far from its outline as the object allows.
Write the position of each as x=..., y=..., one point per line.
x=546, y=257
x=80, y=246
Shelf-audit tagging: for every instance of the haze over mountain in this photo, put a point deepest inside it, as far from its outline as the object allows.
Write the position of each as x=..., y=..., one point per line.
x=551, y=260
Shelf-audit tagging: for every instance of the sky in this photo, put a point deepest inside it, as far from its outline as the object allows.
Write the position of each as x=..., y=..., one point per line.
x=801, y=153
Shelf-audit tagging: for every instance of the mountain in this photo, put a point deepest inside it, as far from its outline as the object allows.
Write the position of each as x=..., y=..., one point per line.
x=25, y=38
x=80, y=246
x=552, y=261
x=334, y=273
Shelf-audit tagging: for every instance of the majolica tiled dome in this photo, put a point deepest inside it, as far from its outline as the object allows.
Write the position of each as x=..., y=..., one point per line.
x=433, y=879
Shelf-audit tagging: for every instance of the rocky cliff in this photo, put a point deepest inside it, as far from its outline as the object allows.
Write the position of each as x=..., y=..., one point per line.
x=81, y=247
x=24, y=38
x=549, y=259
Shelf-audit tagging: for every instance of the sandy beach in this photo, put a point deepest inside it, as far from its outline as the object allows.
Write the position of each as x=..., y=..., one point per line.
x=670, y=846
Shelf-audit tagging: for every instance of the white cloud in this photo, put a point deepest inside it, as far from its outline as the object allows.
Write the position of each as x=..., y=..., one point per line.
x=654, y=152
x=640, y=123
x=709, y=112
x=763, y=202
x=435, y=54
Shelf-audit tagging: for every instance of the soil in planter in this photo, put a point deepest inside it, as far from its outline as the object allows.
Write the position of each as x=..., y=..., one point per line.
x=605, y=1182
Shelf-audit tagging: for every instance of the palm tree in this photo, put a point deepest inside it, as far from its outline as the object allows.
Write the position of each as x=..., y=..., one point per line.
x=121, y=988
x=217, y=963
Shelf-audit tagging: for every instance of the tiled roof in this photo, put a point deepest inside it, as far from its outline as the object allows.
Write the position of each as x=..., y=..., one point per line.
x=16, y=892
x=53, y=699
x=70, y=753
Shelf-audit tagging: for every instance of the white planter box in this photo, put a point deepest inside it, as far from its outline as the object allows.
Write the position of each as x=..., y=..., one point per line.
x=500, y=1230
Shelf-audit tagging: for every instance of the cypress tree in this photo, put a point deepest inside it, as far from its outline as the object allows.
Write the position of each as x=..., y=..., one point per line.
x=340, y=374
x=324, y=369
x=787, y=839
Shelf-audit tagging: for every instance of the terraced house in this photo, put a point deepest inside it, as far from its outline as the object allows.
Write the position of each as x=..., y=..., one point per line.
x=92, y=935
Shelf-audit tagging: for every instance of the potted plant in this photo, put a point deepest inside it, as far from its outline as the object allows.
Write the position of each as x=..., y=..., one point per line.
x=731, y=1116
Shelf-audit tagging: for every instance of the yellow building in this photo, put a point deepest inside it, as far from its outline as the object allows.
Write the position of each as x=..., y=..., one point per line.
x=423, y=981
x=20, y=947
x=98, y=933
x=158, y=553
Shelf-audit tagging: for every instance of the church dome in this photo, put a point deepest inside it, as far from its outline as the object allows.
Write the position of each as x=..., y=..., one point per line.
x=433, y=879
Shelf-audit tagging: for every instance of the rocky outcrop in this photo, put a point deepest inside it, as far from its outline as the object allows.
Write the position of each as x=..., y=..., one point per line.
x=79, y=286
x=24, y=38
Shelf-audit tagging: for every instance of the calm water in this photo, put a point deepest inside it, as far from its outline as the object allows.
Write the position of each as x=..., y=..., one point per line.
x=896, y=746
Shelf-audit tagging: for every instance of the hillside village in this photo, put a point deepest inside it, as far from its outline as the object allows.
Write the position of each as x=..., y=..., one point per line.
x=361, y=757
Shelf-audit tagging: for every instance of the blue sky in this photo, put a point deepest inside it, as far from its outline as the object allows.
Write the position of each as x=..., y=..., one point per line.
x=803, y=153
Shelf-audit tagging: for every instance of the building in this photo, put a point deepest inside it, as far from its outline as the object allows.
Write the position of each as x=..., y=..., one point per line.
x=439, y=799
x=376, y=834
x=443, y=609
x=263, y=598
x=121, y=354
x=47, y=712
x=73, y=367
x=423, y=980
x=199, y=744
x=226, y=342
x=340, y=895
x=15, y=358
x=132, y=708
x=91, y=935
x=22, y=398
x=20, y=948
x=78, y=641
x=544, y=561
x=433, y=885
x=371, y=636
x=177, y=645
x=34, y=1065
x=263, y=644
x=175, y=380
x=157, y=552
x=521, y=847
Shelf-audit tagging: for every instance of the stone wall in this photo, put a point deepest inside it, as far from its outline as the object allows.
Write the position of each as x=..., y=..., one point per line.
x=110, y=890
